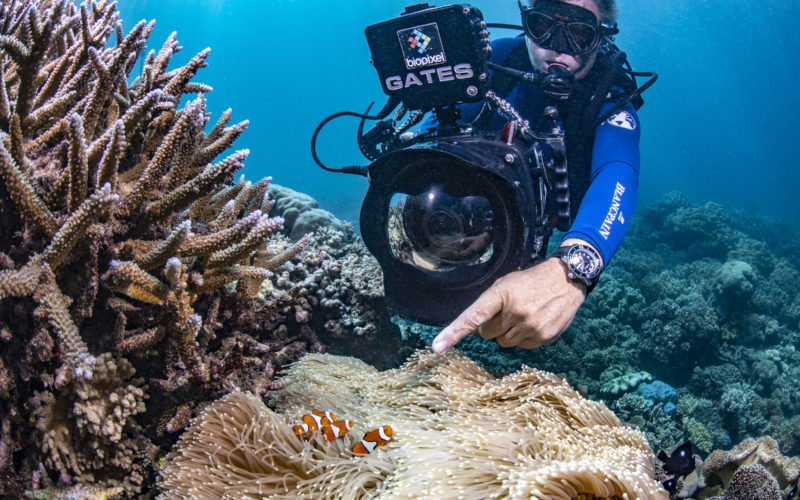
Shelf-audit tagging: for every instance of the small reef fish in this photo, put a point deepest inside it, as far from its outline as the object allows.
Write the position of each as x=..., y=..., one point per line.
x=671, y=485
x=314, y=421
x=680, y=462
x=373, y=439
x=337, y=429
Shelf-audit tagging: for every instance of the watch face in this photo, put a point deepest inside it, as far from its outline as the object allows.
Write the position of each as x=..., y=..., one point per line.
x=584, y=262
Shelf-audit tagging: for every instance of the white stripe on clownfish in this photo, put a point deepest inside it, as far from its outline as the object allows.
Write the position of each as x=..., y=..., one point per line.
x=337, y=429
x=369, y=445
x=328, y=415
x=373, y=439
x=300, y=429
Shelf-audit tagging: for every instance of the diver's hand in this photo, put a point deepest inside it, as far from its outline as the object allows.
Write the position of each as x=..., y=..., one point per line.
x=471, y=247
x=524, y=309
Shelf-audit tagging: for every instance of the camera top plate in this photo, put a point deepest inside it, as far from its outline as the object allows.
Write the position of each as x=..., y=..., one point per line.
x=432, y=56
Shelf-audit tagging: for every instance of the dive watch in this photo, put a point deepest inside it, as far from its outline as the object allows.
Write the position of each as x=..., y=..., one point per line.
x=584, y=264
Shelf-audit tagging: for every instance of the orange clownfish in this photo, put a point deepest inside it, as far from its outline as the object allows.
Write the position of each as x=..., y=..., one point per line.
x=314, y=421
x=373, y=439
x=337, y=429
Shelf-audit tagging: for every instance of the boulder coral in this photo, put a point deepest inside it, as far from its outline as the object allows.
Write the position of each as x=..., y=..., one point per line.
x=459, y=432
x=300, y=212
x=721, y=466
x=753, y=482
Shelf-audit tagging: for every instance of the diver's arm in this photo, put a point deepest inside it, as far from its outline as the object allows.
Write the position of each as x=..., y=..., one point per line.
x=532, y=307
x=606, y=209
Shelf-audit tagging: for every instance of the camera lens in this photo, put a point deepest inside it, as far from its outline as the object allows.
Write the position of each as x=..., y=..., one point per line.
x=443, y=222
x=437, y=231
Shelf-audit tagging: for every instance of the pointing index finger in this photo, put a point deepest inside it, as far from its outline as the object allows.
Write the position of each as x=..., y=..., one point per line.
x=482, y=310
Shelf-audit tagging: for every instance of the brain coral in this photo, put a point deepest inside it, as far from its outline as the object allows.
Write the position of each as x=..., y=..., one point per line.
x=458, y=433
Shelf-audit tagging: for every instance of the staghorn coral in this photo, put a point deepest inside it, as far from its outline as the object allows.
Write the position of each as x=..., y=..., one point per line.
x=458, y=433
x=117, y=235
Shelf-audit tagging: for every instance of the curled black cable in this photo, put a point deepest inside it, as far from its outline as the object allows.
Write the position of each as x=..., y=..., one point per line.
x=349, y=169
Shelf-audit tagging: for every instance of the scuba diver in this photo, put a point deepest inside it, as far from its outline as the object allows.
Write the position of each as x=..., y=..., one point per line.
x=532, y=307
x=525, y=135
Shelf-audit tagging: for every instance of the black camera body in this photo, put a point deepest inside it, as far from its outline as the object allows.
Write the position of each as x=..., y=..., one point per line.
x=436, y=295
x=432, y=56
x=452, y=207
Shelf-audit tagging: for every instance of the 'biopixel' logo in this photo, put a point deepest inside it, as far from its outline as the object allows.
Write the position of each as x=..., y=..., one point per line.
x=422, y=46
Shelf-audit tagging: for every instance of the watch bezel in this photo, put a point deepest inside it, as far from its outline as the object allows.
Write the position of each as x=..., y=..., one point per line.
x=563, y=253
x=591, y=276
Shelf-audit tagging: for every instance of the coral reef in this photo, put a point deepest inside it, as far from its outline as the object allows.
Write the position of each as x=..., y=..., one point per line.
x=132, y=266
x=753, y=482
x=139, y=280
x=721, y=466
x=340, y=286
x=458, y=433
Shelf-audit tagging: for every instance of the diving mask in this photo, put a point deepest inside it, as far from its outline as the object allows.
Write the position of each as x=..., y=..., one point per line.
x=562, y=27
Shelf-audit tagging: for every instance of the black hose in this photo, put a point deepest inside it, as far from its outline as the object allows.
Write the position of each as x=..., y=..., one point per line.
x=636, y=93
x=517, y=74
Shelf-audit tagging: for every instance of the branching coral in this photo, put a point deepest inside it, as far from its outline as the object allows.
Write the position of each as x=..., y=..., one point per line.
x=119, y=231
x=458, y=433
x=153, y=155
x=89, y=431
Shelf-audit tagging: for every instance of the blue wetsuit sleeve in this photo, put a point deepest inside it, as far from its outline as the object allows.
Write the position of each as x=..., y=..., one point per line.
x=606, y=209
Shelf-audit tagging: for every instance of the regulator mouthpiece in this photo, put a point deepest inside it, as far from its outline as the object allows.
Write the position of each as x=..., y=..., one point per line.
x=557, y=84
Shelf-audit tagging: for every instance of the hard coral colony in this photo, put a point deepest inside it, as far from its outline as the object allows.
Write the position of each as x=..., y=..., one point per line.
x=123, y=246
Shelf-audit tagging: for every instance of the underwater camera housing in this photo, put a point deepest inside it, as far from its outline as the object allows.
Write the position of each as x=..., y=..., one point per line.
x=450, y=208
x=446, y=218
x=432, y=56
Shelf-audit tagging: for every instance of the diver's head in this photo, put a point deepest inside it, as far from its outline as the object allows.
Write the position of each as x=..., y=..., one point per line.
x=563, y=35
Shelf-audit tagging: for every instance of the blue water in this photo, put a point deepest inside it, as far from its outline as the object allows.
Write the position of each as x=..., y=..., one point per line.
x=721, y=124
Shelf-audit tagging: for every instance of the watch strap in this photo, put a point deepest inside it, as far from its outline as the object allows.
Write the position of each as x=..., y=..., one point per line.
x=562, y=252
